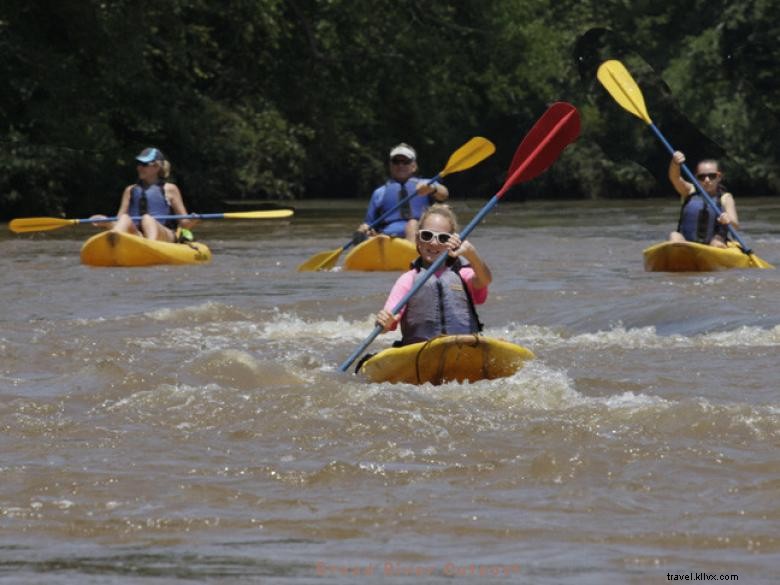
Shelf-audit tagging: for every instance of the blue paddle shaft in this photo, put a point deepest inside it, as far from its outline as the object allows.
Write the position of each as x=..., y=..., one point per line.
x=702, y=192
x=356, y=354
x=158, y=217
x=428, y=273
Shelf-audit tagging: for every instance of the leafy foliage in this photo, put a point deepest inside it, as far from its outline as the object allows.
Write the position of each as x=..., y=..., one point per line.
x=281, y=99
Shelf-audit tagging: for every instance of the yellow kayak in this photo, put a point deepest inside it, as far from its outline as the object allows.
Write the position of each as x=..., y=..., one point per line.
x=381, y=253
x=120, y=249
x=694, y=257
x=447, y=358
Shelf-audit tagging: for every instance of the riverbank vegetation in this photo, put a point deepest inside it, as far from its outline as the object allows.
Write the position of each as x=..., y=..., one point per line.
x=285, y=99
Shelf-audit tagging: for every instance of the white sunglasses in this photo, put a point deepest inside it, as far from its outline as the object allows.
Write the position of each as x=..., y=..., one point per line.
x=428, y=235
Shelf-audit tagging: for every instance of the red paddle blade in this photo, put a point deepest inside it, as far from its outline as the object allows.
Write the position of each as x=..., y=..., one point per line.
x=558, y=127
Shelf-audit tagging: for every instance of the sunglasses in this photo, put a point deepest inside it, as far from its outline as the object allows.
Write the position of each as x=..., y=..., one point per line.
x=145, y=164
x=400, y=161
x=710, y=176
x=428, y=235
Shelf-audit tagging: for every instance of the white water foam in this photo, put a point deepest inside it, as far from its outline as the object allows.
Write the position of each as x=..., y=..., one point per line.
x=291, y=326
x=638, y=338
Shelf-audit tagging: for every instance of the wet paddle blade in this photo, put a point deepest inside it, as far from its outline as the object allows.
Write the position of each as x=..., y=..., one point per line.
x=475, y=150
x=39, y=224
x=621, y=86
x=321, y=261
x=758, y=262
x=558, y=127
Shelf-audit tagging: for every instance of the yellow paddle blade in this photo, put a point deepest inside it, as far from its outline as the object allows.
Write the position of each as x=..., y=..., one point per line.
x=475, y=150
x=273, y=214
x=753, y=260
x=39, y=224
x=618, y=82
x=321, y=261
x=758, y=262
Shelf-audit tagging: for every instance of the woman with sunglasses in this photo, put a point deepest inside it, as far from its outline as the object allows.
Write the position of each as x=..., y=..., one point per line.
x=697, y=221
x=445, y=304
x=151, y=196
x=402, y=182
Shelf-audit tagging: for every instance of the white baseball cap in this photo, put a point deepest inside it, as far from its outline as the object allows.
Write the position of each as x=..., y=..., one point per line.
x=403, y=149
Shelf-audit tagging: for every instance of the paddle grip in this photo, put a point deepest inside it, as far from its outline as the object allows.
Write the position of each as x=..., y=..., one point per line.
x=702, y=192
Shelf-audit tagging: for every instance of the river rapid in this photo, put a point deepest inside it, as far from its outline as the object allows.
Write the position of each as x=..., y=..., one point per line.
x=183, y=424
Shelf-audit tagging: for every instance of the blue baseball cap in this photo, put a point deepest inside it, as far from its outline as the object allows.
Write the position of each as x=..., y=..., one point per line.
x=148, y=155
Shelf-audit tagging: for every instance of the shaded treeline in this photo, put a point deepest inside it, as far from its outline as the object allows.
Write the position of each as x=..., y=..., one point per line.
x=280, y=99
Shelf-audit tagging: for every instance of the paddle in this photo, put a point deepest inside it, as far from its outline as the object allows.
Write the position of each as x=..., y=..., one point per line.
x=621, y=86
x=40, y=224
x=475, y=150
x=558, y=127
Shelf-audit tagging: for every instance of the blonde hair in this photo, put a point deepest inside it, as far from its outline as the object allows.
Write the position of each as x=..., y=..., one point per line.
x=443, y=210
x=164, y=167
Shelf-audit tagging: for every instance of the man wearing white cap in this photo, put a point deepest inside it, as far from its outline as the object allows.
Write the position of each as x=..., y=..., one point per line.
x=403, y=221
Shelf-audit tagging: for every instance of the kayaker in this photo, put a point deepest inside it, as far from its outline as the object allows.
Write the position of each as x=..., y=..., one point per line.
x=404, y=221
x=445, y=305
x=697, y=221
x=149, y=197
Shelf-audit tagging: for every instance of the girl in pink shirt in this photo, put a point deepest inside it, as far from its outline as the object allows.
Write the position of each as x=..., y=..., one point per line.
x=444, y=305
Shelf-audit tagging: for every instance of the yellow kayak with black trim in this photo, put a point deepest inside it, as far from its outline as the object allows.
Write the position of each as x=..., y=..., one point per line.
x=447, y=358
x=695, y=257
x=121, y=249
x=381, y=253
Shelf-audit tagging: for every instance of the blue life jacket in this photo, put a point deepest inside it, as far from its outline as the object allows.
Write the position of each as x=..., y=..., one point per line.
x=395, y=223
x=151, y=200
x=698, y=222
x=442, y=306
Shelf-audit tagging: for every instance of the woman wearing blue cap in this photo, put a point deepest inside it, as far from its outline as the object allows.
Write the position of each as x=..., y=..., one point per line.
x=151, y=196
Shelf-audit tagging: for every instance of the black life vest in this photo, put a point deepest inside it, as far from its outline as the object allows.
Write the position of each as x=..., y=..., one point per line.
x=698, y=222
x=442, y=306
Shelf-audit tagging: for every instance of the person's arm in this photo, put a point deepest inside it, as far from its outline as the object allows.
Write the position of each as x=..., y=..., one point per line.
x=177, y=205
x=482, y=274
x=438, y=192
x=729, y=215
x=124, y=205
x=372, y=213
x=683, y=187
x=402, y=286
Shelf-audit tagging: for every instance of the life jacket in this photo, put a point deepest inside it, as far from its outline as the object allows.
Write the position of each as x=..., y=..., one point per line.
x=442, y=306
x=151, y=200
x=391, y=196
x=698, y=222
